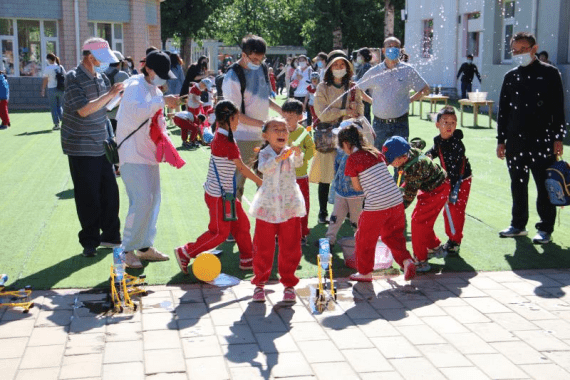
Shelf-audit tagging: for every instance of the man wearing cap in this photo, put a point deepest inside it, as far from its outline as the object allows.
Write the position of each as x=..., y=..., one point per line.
x=82, y=135
x=391, y=82
x=116, y=75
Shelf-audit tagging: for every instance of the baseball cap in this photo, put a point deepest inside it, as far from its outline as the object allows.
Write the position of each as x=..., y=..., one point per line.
x=160, y=63
x=395, y=147
x=118, y=55
x=101, y=51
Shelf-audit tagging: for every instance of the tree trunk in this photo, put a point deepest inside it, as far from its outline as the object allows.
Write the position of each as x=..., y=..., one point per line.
x=388, y=18
x=337, y=38
x=186, y=50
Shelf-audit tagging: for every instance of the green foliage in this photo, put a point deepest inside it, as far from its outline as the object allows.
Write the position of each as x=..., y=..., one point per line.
x=185, y=18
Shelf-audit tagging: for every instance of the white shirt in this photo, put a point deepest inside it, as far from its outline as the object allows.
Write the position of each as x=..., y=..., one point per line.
x=49, y=72
x=301, y=89
x=141, y=100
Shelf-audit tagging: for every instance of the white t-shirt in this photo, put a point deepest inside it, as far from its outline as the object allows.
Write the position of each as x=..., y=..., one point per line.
x=49, y=72
x=141, y=100
x=301, y=89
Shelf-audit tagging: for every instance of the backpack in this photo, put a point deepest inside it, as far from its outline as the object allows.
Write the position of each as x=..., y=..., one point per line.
x=558, y=183
x=241, y=76
x=111, y=75
x=60, y=79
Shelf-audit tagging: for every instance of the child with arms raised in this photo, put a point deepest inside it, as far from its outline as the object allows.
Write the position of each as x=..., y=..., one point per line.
x=278, y=207
x=224, y=161
x=383, y=215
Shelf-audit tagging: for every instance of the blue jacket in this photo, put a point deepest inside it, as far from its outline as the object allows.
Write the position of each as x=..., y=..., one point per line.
x=4, y=88
x=342, y=184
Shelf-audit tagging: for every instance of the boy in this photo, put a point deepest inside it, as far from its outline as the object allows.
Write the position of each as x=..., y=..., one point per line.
x=310, y=97
x=451, y=152
x=195, y=105
x=421, y=174
x=293, y=113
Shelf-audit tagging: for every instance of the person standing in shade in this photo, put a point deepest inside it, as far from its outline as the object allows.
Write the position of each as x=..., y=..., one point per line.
x=468, y=70
x=530, y=133
x=83, y=133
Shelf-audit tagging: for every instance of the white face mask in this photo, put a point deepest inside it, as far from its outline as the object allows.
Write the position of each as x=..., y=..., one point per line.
x=302, y=65
x=339, y=73
x=158, y=81
x=522, y=59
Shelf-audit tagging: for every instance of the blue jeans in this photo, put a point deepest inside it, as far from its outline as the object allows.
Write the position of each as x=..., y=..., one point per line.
x=55, y=97
x=384, y=131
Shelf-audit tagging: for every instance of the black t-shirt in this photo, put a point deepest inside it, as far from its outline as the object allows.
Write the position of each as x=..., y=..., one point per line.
x=469, y=70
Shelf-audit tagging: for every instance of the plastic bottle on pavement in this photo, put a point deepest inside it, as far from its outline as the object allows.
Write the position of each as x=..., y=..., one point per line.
x=3, y=279
x=324, y=252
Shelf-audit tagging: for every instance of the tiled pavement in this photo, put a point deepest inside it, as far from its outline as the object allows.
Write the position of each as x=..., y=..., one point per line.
x=499, y=325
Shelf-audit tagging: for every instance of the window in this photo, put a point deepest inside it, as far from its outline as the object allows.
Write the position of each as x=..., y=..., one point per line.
x=111, y=32
x=7, y=46
x=427, y=43
x=472, y=45
x=508, y=28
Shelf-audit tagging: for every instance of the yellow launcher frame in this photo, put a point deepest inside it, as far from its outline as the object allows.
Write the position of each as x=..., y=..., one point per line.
x=20, y=301
x=321, y=299
x=131, y=287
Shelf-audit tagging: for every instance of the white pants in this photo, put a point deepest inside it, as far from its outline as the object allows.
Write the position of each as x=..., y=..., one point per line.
x=342, y=206
x=142, y=183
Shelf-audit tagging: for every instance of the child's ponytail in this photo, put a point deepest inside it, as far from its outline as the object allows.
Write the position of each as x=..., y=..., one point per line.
x=354, y=137
x=224, y=111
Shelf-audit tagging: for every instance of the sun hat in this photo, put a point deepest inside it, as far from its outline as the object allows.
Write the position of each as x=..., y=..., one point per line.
x=101, y=51
x=207, y=82
x=315, y=75
x=160, y=63
x=395, y=147
x=334, y=56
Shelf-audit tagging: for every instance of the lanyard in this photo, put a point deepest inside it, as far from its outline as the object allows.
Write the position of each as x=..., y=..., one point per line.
x=220, y=182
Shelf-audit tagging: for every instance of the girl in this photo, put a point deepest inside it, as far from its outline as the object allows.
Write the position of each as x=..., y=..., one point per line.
x=224, y=161
x=278, y=207
x=55, y=95
x=383, y=214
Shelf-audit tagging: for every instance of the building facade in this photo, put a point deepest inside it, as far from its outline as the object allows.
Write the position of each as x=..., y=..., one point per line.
x=30, y=29
x=441, y=33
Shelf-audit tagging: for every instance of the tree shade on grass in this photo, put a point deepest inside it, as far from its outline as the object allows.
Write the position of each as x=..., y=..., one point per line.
x=39, y=225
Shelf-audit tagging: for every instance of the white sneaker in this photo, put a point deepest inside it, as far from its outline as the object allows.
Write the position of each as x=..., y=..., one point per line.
x=437, y=252
x=132, y=261
x=152, y=255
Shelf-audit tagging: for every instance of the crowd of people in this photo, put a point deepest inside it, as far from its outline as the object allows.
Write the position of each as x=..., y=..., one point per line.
x=360, y=128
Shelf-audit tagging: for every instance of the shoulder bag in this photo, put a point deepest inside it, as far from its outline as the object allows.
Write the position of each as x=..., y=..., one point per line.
x=111, y=147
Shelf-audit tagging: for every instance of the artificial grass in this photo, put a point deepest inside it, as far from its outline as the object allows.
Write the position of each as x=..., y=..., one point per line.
x=39, y=223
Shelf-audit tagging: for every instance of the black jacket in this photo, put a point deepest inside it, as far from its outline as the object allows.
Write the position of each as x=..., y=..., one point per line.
x=453, y=152
x=468, y=70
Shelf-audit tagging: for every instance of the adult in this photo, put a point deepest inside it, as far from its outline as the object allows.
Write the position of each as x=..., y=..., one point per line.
x=175, y=84
x=83, y=133
x=139, y=168
x=329, y=108
x=530, y=128
x=280, y=76
x=320, y=63
x=391, y=82
x=195, y=73
x=253, y=100
x=303, y=77
x=363, y=58
x=543, y=56
x=290, y=71
x=115, y=74
x=131, y=69
x=55, y=95
x=469, y=70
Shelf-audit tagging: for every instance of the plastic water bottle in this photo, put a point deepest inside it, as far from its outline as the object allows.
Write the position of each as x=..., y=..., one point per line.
x=324, y=252
x=3, y=279
x=119, y=263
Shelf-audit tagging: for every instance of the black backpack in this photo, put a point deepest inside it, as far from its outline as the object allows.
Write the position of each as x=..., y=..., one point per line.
x=241, y=76
x=111, y=76
x=60, y=79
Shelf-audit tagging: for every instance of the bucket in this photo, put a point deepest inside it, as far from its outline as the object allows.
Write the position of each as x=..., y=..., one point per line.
x=382, y=258
x=477, y=96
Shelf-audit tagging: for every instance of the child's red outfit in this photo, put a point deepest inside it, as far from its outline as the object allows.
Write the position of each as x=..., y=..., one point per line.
x=194, y=106
x=278, y=207
x=223, y=154
x=4, y=97
x=428, y=180
x=186, y=126
x=383, y=214
x=273, y=82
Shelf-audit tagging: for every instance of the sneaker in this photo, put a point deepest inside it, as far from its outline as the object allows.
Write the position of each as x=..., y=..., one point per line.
x=56, y=127
x=541, y=237
x=258, y=294
x=132, y=261
x=3, y=126
x=182, y=258
x=409, y=269
x=186, y=144
x=452, y=248
x=323, y=218
x=152, y=255
x=422, y=266
x=512, y=232
x=437, y=252
x=89, y=252
x=110, y=244
x=289, y=295
x=245, y=264
x=361, y=277
x=230, y=239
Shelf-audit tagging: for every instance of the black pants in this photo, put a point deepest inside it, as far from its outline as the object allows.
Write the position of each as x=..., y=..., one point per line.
x=96, y=200
x=309, y=115
x=465, y=88
x=519, y=167
x=323, y=197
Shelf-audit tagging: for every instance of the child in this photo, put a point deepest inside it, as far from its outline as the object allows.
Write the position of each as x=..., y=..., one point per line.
x=224, y=161
x=292, y=111
x=207, y=96
x=451, y=152
x=383, y=215
x=420, y=173
x=4, y=97
x=273, y=82
x=278, y=207
x=189, y=124
x=195, y=105
x=310, y=97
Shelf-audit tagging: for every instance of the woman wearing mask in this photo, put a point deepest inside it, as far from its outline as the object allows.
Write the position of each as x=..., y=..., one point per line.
x=54, y=94
x=329, y=109
x=363, y=58
x=303, y=77
x=321, y=62
x=195, y=73
x=141, y=100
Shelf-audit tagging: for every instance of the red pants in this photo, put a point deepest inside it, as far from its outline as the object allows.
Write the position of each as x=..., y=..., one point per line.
x=289, y=235
x=314, y=115
x=304, y=185
x=4, y=112
x=389, y=225
x=457, y=211
x=185, y=126
x=218, y=230
x=427, y=209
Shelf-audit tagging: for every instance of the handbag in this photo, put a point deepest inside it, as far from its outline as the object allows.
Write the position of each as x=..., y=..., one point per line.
x=111, y=147
x=325, y=141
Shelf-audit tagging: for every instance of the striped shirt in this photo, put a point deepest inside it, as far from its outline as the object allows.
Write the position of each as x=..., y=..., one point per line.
x=379, y=188
x=223, y=154
x=83, y=136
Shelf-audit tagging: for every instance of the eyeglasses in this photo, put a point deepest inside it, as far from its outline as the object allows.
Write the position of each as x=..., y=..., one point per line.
x=522, y=50
x=256, y=61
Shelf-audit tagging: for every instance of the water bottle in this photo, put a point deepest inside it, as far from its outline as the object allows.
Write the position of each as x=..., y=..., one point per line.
x=439, y=89
x=3, y=279
x=324, y=252
x=119, y=263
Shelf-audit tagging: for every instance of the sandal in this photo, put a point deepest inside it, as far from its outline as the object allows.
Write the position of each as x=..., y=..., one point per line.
x=289, y=295
x=258, y=294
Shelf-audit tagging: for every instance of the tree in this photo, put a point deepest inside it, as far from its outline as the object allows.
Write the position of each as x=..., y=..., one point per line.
x=388, y=18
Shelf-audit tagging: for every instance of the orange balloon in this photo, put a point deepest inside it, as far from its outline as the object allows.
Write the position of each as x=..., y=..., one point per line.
x=206, y=267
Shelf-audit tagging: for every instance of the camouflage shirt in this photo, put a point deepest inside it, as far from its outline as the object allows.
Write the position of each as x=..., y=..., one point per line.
x=423, y=174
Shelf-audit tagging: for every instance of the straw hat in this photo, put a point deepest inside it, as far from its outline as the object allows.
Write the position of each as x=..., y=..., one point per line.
x=334, y=56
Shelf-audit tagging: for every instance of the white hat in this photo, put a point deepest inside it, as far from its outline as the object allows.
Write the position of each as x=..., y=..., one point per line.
x=118, y=55
x=101, y=51
x=345, y=124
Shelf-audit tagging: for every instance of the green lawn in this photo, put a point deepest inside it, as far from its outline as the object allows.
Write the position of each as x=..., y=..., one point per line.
x=39, y=224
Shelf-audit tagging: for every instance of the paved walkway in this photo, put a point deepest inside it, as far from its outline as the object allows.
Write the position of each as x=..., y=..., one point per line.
x=500, y=325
